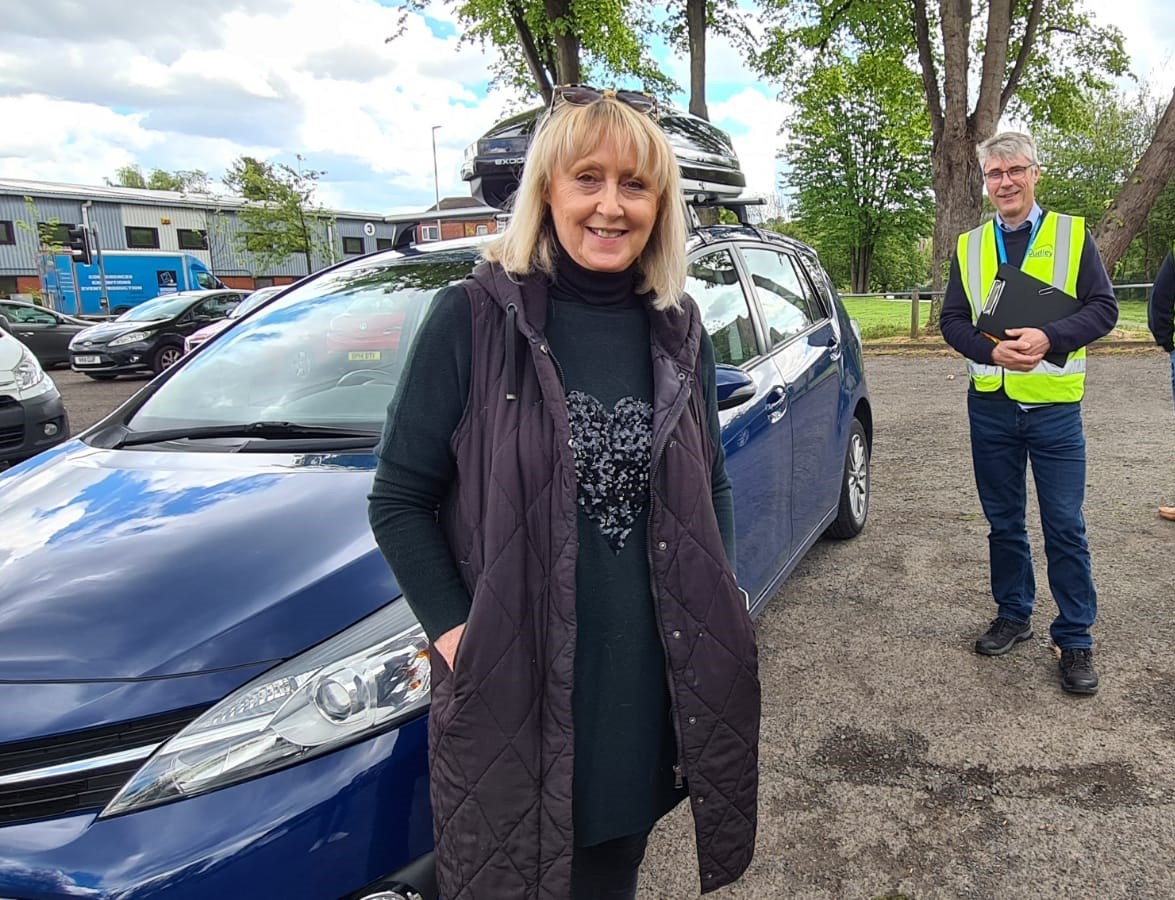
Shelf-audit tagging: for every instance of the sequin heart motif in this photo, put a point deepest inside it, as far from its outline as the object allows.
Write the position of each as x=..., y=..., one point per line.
x=612, y=449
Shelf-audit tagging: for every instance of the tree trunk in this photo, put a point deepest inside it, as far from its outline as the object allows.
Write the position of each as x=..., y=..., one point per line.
x=531, y=54
x=695, y=18
x=566, y=41
x=958, y=195
x=1130, y=208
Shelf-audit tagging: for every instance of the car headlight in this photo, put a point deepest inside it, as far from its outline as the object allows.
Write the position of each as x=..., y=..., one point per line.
x=28, y=371
x=133, y=338
x=363, y=680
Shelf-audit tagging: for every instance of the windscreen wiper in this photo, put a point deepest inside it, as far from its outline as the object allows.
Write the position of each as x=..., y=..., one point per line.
x=268, y=430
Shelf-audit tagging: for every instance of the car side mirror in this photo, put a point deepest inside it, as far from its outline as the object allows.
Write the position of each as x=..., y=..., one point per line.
x=735, y=387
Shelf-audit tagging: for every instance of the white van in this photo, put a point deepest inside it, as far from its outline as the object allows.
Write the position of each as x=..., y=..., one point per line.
x=32, y=415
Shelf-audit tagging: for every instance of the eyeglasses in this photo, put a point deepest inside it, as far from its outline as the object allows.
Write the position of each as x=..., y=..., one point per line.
x=995, y=176
x=584, y=95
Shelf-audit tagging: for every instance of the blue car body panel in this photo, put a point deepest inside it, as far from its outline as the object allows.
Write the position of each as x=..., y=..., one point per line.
x=318, y=830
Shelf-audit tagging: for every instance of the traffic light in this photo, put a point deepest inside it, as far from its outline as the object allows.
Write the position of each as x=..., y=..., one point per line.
x=79, y=244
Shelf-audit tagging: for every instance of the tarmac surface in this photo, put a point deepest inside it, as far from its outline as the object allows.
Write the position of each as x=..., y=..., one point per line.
x=895, y=762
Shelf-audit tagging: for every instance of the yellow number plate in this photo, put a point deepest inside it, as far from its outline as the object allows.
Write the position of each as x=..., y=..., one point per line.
x=363, y=355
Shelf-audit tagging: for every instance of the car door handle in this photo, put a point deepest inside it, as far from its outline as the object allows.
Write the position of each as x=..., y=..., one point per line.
x=776, y=403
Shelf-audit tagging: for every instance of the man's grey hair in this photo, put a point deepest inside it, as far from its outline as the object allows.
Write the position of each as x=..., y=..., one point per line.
x=1007, y=145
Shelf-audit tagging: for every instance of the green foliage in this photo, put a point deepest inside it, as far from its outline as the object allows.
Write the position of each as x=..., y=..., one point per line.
x=192, y=181
x=1069, y=54
x=1084, y=165
x=283, y=220
x=723, y=17
x=859, y=164
x=609, y=37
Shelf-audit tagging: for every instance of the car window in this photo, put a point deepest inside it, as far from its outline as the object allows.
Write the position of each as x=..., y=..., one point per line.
x=816, y=286
x=306, y=357
x=205, y=280
x=712, y=280
x=781, y=293
x=158, y=309
x=216, y=307
x=27, y=315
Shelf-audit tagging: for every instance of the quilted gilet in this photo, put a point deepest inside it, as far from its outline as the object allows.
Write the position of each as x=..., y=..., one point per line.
x=501, y=728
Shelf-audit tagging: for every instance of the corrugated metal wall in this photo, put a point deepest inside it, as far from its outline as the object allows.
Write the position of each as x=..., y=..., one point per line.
x=223, y=255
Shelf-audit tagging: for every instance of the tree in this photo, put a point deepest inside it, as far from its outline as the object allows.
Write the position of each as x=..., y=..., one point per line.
x=689, y=23
x=1130, y=208
x=546, y=43
x=1086, y=170
x=250, y=177
x=1084, y=164
x=190, y=181
x=1023, y=58
x=282, y=220
x=858, y=159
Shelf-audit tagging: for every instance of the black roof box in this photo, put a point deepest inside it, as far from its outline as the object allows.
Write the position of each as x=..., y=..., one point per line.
x=704, y=153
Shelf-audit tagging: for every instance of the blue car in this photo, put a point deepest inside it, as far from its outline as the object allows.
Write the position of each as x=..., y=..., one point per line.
x=210, y=685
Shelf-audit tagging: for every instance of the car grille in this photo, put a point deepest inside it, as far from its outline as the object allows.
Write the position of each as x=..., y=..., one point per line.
x=10, y=435
x=81, y=770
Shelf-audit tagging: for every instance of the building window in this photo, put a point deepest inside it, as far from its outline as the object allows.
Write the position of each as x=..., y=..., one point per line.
x=7, y=285
x=192, y=238
x=353, y=245
x=54, y=234
x=263, y=281
x=141, y=238
x=383, y=243
x=7, y=235
x=430, y=232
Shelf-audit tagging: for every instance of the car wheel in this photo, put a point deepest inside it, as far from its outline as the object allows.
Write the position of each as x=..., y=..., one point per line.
x=166, y=357
x=101, y=377
x=854, y=487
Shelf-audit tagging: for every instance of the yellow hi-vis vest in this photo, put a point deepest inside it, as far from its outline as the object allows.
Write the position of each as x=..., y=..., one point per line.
x=1054, y=257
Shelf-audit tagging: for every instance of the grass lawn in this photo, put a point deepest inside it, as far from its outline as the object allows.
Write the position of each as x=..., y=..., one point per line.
x=889, y=318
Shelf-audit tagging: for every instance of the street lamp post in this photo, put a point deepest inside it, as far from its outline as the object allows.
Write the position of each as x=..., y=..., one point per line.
x=436, y=184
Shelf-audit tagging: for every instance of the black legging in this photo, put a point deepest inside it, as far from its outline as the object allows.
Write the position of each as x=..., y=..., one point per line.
x=608, y=871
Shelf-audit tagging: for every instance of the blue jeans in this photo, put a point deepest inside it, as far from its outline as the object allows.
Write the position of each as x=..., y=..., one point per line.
x=1004, y=438
x=1172, y=355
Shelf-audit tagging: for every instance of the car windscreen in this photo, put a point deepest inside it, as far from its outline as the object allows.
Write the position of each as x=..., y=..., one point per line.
x=329, y=352
x=252, y=301
x=154, y=310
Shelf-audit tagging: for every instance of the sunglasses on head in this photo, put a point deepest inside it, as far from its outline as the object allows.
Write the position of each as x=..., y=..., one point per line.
x=584, y=95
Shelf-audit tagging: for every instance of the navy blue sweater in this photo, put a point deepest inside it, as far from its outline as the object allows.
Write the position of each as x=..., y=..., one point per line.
x=1161, y=310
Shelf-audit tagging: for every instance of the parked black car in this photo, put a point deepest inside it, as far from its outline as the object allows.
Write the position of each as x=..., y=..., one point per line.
x=704, y=153
x=45, y=332
x=150, y=336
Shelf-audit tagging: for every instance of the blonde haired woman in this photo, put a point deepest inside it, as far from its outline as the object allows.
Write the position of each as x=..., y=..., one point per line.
x=553, y=499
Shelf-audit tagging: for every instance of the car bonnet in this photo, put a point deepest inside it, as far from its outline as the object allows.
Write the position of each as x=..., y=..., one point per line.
x=120, y=564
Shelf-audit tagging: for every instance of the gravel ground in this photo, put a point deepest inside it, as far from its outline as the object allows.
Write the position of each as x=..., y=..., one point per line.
x=895, y=762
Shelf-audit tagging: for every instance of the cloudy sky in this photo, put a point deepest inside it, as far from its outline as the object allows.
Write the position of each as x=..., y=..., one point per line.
x=87, y=86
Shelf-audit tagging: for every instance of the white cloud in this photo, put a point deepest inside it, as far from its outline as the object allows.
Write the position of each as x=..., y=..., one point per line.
x=283, y=77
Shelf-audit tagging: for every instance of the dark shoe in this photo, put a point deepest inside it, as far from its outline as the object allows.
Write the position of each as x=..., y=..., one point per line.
x=1003, y=635
x=1077, y=674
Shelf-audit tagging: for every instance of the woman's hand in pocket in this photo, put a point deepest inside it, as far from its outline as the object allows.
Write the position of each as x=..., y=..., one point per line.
x=446, y=645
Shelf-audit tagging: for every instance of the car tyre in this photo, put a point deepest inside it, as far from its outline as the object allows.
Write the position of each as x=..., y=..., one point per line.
x=166, y=357
x=854, y=487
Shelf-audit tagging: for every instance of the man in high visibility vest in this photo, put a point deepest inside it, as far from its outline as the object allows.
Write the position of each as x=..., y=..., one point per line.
x=1160, y=316
x=1022, y=407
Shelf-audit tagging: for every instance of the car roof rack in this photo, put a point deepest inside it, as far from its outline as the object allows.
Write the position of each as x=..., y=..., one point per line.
x=737, y=205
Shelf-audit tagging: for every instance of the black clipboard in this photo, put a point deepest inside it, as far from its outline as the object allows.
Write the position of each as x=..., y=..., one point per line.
x=1020, y=300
